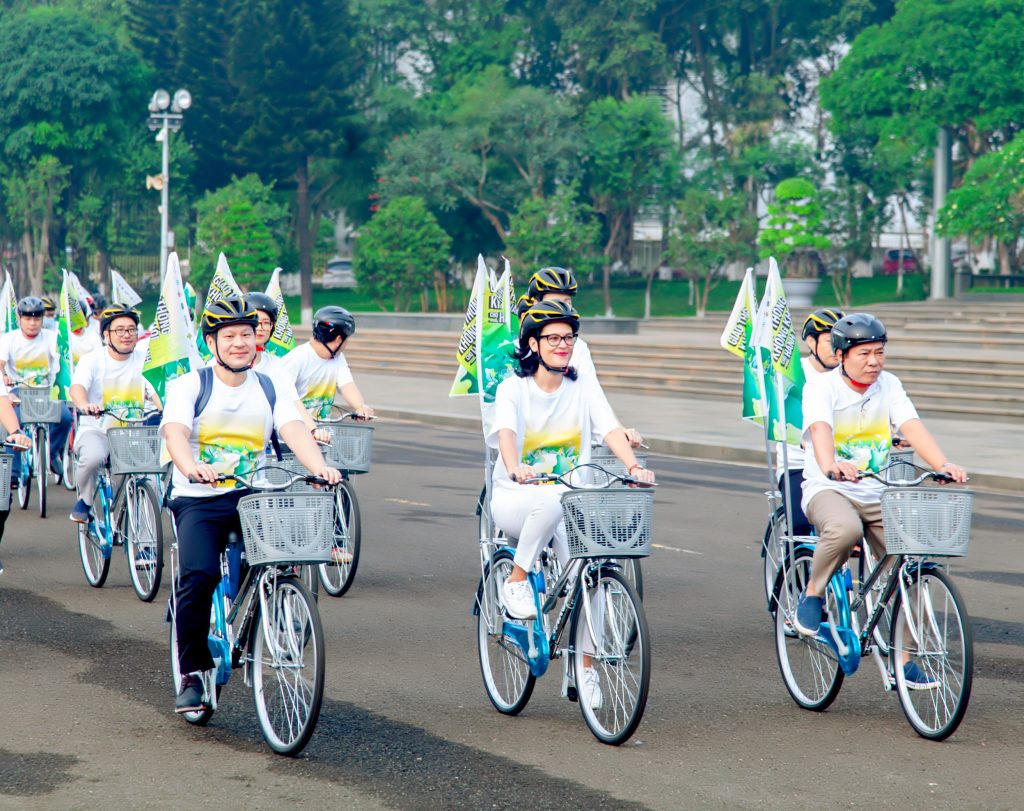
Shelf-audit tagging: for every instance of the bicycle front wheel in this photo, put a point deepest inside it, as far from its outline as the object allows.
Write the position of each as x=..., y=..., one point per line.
x=338, y=575
x=810, y=668
x=25, y=478
x=144, y=540
x=95, y=564
x=932, y=631
x=42, y=456
x=507, y=677
x=287, y=664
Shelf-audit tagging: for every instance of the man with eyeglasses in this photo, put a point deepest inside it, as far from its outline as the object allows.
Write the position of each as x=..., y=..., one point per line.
x=108, y=379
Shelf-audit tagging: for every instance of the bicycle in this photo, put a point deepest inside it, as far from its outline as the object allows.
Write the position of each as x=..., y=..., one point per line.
x=266, y=621
x=69, y=459
x=908, y=591
x=38, y=413
x=604, y=614
x=130, y=515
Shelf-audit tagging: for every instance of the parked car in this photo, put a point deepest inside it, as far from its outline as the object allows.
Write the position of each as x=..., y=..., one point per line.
x=338, y=273
x=891, y=262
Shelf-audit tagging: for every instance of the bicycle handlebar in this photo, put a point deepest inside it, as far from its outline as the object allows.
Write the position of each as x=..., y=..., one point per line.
x=941, y=478
x=331, y=419
x=551, y=478
x=265, y=486
x=119, y=415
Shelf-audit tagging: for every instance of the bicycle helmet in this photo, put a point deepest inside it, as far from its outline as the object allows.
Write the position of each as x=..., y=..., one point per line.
x=523, y=304
x=31, y=306
x=261, y=301
x=98, y=303
x=857, y=328
x=821, y=321
x=48, y=303
x=552, y=280
x=332, y=322
x=547, y=312
x=226, y=312
x=117, y=311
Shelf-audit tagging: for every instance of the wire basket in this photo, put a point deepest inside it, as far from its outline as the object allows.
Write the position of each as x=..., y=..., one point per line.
x=351, y=446
x=288, y=528
x=603, y=456
x=291, y=467
x=902, y=466
x=134, y=449
x=6, y=461
x=36, y=405
x=927, y=520
x=612, y=523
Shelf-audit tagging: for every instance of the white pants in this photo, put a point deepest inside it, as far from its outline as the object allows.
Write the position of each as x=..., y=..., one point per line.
x=533, y=514
x=91, y=448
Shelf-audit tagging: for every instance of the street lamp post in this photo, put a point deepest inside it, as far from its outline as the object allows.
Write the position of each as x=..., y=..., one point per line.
x=163, y=122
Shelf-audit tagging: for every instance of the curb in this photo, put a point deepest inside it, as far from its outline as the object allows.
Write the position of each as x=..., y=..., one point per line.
x=691, y=449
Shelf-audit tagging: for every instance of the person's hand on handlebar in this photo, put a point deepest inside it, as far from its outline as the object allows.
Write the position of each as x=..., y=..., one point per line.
x=202, y=474
x=19, y=439
x=91, y=408
x=522, y=473
x=634, y=437
x=842, y=471
x=363, y=413
x=322, y=435
x=642, y=474
x=955, y=472
x=329, y=474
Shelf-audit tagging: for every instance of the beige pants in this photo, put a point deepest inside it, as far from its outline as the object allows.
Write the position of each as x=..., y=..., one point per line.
x=841, y=524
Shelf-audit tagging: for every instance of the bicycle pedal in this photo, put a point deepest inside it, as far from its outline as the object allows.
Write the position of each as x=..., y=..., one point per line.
x=572, y=695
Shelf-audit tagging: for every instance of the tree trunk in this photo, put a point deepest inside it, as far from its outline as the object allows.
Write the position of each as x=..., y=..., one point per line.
x=609, y=252
x=1004, y=259
x=304, y=242
x=647, y=293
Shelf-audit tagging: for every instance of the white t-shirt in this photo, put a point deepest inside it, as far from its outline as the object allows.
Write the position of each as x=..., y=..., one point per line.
x=114, y=384
x=316, y=379
x=271, y=366
x=554, y=431
x=231, y=433
x=83, y=343
x=796, y=452
x=582, y=360
x=862, y=427
x=32, y=360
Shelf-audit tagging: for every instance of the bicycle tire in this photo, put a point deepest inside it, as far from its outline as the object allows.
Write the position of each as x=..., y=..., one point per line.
x=69, y=477
x=772, y=553
x=199, y=718
x=287, y=702
x=633, y=572
x=809, y=667
x=43, y=466
x=508, y=681
x=621, y=655
x=337, y=578
x=143, y=539
x=25, y=479
x=95, y=564
x=934, y=713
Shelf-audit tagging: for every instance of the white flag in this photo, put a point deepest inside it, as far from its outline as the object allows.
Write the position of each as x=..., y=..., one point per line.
x=122, y=292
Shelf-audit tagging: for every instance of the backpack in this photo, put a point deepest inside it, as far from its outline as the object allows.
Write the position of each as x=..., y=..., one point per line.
x=206, y=389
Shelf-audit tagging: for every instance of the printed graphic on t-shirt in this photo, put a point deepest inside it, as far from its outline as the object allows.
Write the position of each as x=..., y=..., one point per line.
x=125, y=402
x=555, y=452
x=231, y=447
x=33, y=367
x=320, y=398
x=865, y=444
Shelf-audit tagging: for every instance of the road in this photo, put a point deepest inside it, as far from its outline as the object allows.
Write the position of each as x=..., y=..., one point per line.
x=87, y=707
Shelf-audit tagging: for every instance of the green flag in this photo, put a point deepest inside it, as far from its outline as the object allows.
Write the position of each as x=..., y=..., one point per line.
x=758, y=398
x=467, y=376
x=499, y=327
x=283, y=340
x=172, y=347
x=69, y=308
x=8, y=306
x=221, y=286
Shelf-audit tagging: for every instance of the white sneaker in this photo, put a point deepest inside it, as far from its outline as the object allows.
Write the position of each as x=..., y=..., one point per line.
x=518, y=599
x=590, y=688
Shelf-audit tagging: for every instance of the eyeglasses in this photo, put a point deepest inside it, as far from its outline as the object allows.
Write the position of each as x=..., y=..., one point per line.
x=266, y=323
x=125, y=332
x=555, y=340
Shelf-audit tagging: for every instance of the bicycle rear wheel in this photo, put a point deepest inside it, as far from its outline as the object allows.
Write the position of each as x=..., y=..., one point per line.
x=42, y=457
x=810, y=668
x=287, y=664
x=613, y=634
x=337, y=576
x=772, y=552
x=506, y=673
x=68, y=462
x=144, y=539
x=942, y=648
x=633, y=574
x=95, y=564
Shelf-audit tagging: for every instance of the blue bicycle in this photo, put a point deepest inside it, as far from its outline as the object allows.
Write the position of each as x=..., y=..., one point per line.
x=906, y=613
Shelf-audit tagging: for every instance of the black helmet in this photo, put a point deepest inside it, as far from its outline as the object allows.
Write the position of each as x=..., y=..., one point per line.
x=98, y=303
x=857, y=328
x=47, y=303
x=261, y=301
x=331, y=322
x=117, y=311
x=821, y=321
x=523, y=304
x=547, y=312
x=31, y=306
x=552, y=280
x=225, y=312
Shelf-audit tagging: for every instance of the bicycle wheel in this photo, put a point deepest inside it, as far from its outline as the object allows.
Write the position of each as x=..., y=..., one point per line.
x=614, y=631
x=634, y=574
x=310, y=577
x=287, y=664
x=337, y=576
x=199, y=718
x=882, y=632
x=507, y=677
x=42, y=457
x=942, y=648
x=95, y=564
x=144, y=539
x=810, y=668
x=772, y=551
x=25, y=477
x=68, y=462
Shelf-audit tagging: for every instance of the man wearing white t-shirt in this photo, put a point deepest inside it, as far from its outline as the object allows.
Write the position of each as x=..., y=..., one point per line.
x=850, y=414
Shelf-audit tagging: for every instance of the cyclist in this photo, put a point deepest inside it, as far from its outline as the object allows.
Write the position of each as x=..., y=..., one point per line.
x=850, y=414
x=108, y=379
x=96, y=305
x=318, y=368
x=49, y=313
x=817, y=335
x=9, y=420
x=545, y=419
x=84, y=341
x=227, y=434
x=29, y=355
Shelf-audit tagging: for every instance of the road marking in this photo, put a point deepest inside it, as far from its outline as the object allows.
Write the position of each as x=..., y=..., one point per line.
x=674, y=549
x=406, y=501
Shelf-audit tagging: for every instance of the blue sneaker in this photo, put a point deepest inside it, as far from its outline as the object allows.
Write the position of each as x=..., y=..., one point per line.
x=807, y=619
x=917, y=679
x=80, y=513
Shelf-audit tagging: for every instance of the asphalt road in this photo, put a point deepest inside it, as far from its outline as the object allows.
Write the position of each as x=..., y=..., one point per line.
x=86, y=702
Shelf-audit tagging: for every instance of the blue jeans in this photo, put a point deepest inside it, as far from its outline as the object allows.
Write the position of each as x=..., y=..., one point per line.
x=58, y=436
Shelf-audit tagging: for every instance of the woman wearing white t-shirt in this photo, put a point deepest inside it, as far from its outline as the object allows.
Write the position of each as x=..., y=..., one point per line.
x=9, y=420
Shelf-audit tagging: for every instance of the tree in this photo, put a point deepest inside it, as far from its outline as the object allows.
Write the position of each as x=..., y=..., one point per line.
x=629, y=159
x=557, y=230
x=400, y=252
x=32, y=197
x=240, y=221
x=792, y=232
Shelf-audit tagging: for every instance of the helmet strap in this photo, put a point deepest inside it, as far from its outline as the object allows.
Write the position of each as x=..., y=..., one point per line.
x=232, y=369
x=816, y=356
x=557, y=370
x=857, y=383
x=110, y=345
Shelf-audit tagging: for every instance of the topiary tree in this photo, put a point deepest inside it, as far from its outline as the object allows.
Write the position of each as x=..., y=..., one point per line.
x=401, y=252
x=790, y=233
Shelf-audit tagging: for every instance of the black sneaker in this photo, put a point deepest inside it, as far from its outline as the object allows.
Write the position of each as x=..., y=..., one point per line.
x=190, y=697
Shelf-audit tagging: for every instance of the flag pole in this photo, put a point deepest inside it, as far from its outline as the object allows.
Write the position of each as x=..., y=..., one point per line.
x=787, y=494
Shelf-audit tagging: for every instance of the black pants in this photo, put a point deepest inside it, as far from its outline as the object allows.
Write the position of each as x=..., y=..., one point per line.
x=801, y=526
x=203, y=526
